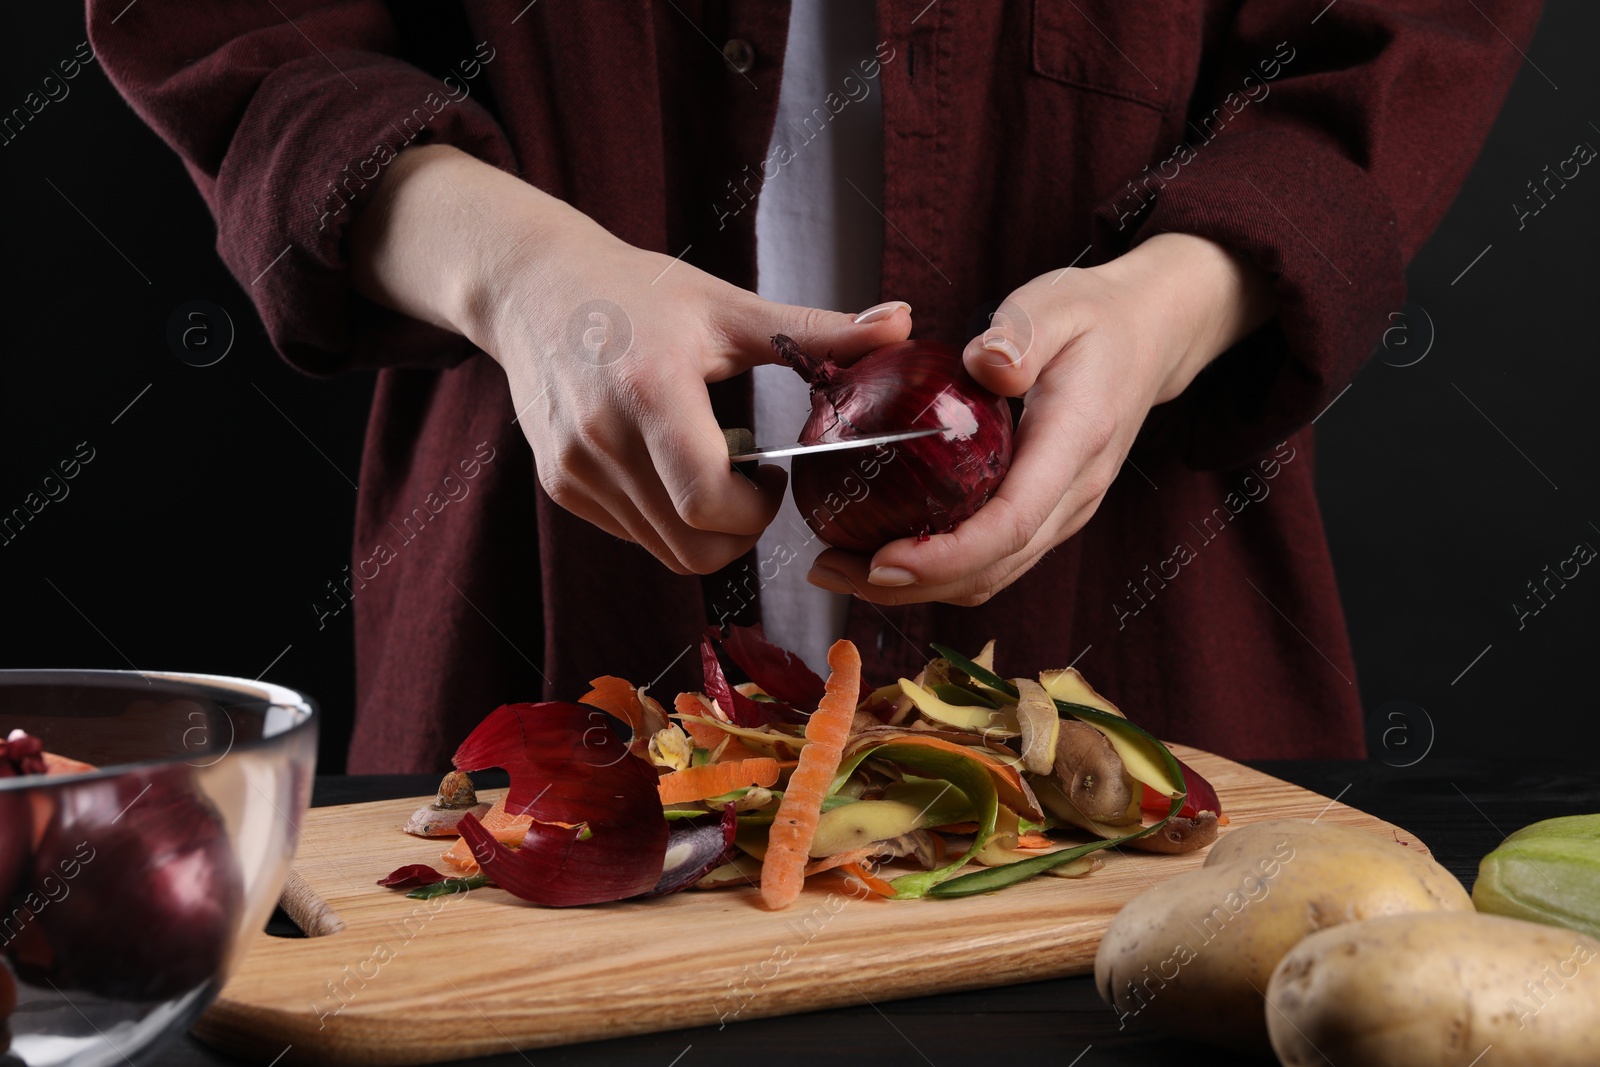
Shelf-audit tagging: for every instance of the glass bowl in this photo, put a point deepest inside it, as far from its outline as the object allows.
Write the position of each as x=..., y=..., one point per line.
x=128, y=891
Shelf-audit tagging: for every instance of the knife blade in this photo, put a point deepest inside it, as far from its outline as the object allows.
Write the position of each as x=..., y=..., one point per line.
x=751, y=453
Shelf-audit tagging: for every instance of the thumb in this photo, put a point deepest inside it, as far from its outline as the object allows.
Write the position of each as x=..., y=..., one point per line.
x=1007, y=357
x=840, y=336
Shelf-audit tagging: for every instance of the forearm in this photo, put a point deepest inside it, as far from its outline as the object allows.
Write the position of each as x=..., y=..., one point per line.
x=445, y=230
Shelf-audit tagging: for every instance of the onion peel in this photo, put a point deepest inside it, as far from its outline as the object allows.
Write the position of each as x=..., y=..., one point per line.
x=410, y=876
x=780, y=673
x=597, y=832
x=740, y=709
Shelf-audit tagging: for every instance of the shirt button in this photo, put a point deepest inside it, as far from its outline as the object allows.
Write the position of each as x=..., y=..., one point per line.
x=740, y=54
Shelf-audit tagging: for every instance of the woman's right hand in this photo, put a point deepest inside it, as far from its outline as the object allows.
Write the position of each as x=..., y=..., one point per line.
x=607, y=348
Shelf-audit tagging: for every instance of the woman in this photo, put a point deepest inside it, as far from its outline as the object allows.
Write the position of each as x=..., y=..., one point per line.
x=1175, y=231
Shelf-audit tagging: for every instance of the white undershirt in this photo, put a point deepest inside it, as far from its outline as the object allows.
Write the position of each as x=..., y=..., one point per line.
x=818, y=243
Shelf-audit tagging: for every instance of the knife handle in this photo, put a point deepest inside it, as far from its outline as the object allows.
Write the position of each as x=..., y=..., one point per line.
x=740, y=440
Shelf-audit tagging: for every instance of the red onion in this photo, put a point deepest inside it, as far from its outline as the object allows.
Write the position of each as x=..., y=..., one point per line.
x=20, y=754
x=862, y=499
x=16, y=823
x=134, y=892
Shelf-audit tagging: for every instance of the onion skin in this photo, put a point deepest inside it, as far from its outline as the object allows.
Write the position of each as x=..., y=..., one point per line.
x=709, y=845
x=598, y=833
x=780, y=673
x=860, y=500
x=1202, y=796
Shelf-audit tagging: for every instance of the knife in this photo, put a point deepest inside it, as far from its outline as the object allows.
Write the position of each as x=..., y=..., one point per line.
x=742, y=447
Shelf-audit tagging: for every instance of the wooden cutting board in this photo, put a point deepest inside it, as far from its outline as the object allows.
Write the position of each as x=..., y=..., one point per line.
x=392, y=980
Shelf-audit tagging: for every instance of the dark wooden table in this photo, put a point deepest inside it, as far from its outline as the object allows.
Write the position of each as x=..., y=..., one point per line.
x=1461, y=810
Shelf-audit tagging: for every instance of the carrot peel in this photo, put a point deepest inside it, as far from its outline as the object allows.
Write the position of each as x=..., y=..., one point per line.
x=789, y=841
x=715, y=779
x=868, y=879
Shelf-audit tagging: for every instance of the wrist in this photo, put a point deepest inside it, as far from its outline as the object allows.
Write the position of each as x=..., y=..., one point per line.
x=448, y=237
x=1198, y=301
x=521, y=239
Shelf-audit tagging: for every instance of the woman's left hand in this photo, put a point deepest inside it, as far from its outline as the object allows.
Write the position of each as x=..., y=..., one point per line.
x=1091, y=351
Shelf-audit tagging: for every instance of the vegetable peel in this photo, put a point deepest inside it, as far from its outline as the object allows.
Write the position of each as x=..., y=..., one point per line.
x=741, y=788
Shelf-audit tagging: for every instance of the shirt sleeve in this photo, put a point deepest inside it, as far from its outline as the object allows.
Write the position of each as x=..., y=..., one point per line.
x=1325, y=153
x=285, y=115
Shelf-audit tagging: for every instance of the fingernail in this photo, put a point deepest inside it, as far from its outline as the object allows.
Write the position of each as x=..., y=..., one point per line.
x=879, y=312
x=891, y=576
x=830, y=579
x=1001, y=345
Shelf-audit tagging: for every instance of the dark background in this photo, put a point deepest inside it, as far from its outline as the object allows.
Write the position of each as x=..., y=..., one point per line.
x=219, y=505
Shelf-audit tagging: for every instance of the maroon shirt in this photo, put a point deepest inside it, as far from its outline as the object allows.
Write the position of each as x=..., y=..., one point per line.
x=1018, y=137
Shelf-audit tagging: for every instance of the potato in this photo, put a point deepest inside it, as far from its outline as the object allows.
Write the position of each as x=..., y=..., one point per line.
x=1194, y=953
x=1438, y=989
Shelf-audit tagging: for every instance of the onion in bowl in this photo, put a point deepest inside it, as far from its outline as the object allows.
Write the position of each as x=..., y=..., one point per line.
x=134, y=891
